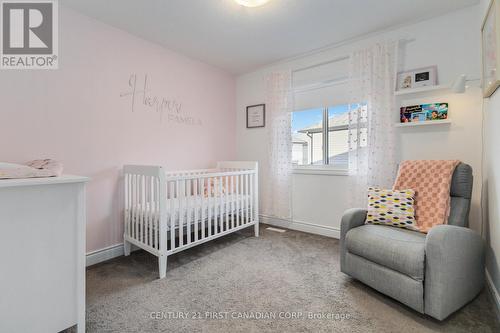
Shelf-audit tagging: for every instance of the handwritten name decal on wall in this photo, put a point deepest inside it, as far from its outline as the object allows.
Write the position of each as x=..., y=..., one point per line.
x=140, y=96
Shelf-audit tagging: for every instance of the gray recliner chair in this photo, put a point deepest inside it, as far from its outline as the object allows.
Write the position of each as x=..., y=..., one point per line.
x=435, y=273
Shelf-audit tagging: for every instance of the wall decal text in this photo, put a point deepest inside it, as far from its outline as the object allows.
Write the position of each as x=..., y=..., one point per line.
x=141, y=98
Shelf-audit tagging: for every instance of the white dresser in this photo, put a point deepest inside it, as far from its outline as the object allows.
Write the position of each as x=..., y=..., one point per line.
x=42, y=254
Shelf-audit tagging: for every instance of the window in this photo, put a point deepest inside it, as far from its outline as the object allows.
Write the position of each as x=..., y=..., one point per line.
x=320, y=124
x=320, y=136
x=307, y=136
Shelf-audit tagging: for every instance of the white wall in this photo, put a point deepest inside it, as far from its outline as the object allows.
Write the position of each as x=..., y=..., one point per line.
x=492, y=181
x=452, y=43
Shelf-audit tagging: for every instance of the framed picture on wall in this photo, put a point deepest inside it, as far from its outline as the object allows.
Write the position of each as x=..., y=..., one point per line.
x=256, y=116
x=416, y=78
x=490, y=34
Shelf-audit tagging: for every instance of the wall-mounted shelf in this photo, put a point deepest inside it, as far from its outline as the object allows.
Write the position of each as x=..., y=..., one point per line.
x=457, y=86
x=420, y=90
x=424, y=123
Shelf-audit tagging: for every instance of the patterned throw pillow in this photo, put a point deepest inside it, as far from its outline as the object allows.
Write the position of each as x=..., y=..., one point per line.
x=392, y=208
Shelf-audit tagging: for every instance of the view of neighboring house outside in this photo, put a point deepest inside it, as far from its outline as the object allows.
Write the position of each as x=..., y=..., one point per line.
x=308, y=143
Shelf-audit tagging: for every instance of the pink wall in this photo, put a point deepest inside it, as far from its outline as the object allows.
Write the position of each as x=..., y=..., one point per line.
x=76, y=115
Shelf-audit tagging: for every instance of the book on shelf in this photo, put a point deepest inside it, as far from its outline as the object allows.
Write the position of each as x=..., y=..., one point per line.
x=424, y=112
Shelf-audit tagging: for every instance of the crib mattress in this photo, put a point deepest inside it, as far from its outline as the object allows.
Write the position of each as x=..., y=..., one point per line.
x=199, y=207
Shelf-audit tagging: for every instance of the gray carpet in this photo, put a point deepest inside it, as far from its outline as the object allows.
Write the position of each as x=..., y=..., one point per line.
x=239, y=275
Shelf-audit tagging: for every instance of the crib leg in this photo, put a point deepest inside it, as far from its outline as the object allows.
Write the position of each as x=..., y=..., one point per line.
x=256, y=229
x=126, y=248
x=162, y=265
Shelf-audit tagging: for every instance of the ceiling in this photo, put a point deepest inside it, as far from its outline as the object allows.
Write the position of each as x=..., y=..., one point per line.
x=240, y=39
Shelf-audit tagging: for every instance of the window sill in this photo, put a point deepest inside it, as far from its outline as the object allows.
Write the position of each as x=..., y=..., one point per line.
x=317, y=170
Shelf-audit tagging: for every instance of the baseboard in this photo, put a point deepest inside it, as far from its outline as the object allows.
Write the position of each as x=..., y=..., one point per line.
x=494, y=292
x=114, y=251
x=302, y=226
x=107, y=253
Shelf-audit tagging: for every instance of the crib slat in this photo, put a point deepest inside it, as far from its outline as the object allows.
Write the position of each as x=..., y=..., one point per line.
x=151, y=214
x=219, y=210
x=188, y=211
x=250, y=198
x=142, y=205
x=144, y=209
x=226, y=205
x=203, y=197
x=146, y=212
x=246, y=198
x=168, y=212
x=151, y=210
x=136, y=205
x=131, y=203
x=196, y=207
x=153, y=219
x=214, y=205
x=182, y=198
x=238, y=196
x=232, y=201
x=223, y=205
x=242, y=200
x=172, y=216
x=127, y=209
x=158, y=197
x=209, y=205
x=157, y=208
x=136, y=208
x=139, y=208
x=156, y=213
x=252, y=177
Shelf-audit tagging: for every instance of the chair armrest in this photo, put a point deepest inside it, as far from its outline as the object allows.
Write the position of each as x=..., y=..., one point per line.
x=352, y=218
x=454, y=269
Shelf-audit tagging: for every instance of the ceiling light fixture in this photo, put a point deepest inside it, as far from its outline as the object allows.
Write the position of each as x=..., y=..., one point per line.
x=251, y=3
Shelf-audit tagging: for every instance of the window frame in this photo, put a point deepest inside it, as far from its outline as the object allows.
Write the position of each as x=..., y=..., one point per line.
x=326, y=168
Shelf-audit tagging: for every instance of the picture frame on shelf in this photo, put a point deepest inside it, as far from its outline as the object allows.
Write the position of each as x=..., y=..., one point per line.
x=490, y=47
x=256, y=116
x=416, y=78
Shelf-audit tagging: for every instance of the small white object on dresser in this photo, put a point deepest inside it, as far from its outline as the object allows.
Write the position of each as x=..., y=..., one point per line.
x=42, y=254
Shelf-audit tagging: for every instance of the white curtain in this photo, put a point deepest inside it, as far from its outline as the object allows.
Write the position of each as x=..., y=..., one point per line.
x=372, y=157
x=278, y=107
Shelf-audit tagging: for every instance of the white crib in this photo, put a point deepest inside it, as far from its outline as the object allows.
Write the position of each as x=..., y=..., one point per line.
x=167, y=212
